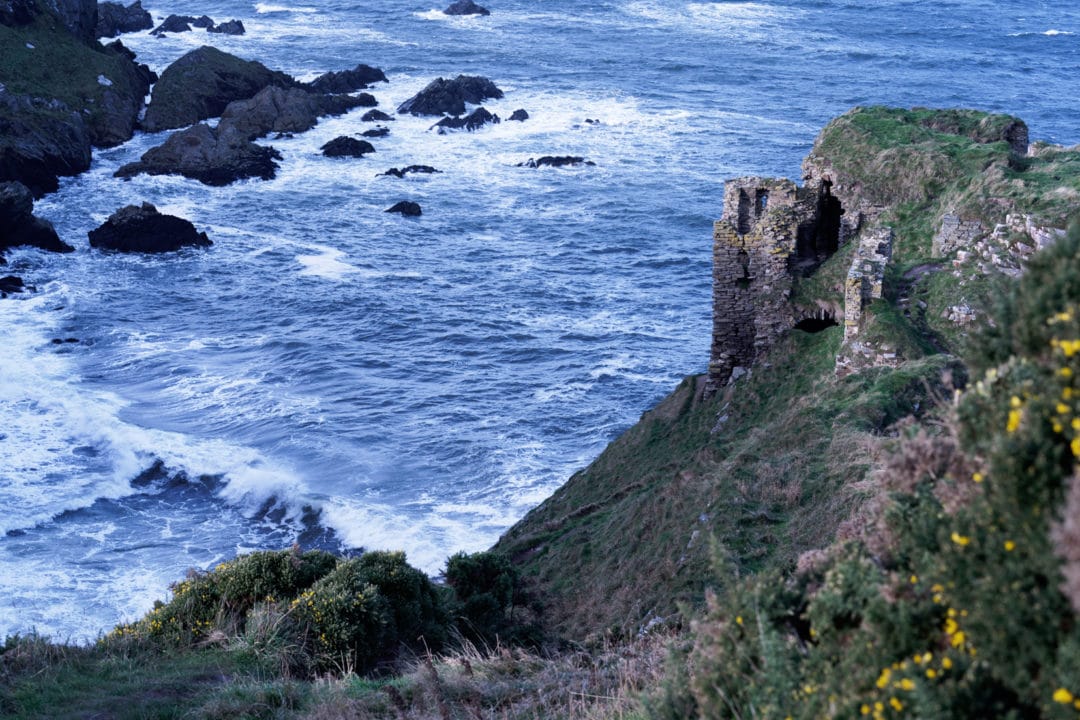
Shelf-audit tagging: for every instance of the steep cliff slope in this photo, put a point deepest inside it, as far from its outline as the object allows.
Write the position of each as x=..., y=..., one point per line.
x=775, y=463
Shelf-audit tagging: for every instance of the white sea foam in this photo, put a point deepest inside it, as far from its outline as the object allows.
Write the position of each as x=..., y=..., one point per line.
x=327, y=264
x=264, y=8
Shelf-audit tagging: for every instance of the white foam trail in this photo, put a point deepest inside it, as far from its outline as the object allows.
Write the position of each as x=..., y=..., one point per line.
x=264, y=8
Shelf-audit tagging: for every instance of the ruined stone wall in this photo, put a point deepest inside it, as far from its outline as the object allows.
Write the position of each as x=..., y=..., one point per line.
x=955, y=234
x=865, y=278
x=752, y=245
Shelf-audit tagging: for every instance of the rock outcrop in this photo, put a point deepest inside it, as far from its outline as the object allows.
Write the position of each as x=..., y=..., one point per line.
x=376, y=132
x=201, y=84
x=347, y=81
x=11, y=284
x=19, y=226
x=212, y=156
x=232, y=27
x=473, y=121
x=114, y=19
x=14, y=13
x=448, y=97
x=78, y=16
x=410, y=170
x=345, y=146
x=406, y=208
x=466, y=7
x=376, y=116
x=555, y=161
x=519, y=115
x=182, y=23
x=143, y=229
x=285, y=110
x=42, y=141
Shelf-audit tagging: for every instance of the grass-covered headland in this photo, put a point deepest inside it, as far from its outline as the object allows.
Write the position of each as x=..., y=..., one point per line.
x=899, y=541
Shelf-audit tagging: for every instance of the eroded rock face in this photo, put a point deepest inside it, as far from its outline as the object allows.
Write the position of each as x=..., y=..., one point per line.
x=473, y=121
x=347, y=81
x=113, y=19
x=201, y=84
x=183, y=23
x=18, y=226
x=285, y=110
x=347, y=147
x=41, y=140
x=14, y=13
x=211, y=156
x=143, y=229
x=78, y=16
x=555, y=161
x=466, y=7
x=406, y=208
x=448, y=97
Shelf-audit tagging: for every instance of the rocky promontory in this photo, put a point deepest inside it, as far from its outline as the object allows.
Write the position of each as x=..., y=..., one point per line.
x=18, y=224
x=62, y=93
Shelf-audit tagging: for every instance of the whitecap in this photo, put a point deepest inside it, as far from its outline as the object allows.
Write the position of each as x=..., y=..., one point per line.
x=327, y=264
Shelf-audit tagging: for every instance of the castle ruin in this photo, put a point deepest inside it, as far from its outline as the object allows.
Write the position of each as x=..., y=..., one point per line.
x=771, y=232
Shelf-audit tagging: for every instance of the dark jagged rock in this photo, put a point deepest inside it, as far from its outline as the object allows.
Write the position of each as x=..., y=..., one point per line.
x=174, y=24
x=591, y=121
x=466, y=7
x=232, y=27
x=143, y=229
x=18, y=226
x=347, y=147
x=407, y=208
x=211, y=156
x=346, y=81
x=11, y=284
x=473, y=121
x=113, y=19
x=40, y=141
x=376, y=116
x=555, y=161
x=202, y=22
x=448, y=97
x=78, y=16
x=376, y=132
x=14, y=13
x=283, y=110
x=148, y=76
x=418, y=169
x=520, y=115
x=201, y=84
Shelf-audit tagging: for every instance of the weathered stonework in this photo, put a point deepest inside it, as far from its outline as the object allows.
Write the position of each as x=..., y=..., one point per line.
x=955, y=234
x=866, y=277
x=770, y=228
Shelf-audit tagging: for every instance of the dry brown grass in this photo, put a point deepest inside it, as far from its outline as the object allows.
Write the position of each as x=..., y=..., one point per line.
x=506, y=684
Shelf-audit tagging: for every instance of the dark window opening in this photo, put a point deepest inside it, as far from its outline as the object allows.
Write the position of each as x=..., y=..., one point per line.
x=819, y=240
x=762, y=201
x=743, y=260
x=815, y=325
x=744, y=212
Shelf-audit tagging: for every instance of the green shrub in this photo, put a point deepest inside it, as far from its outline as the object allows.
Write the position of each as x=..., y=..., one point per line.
x=487, y=589
x=361, y=613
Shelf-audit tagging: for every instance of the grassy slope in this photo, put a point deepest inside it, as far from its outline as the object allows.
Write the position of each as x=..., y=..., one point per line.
x=631, y=536
x=59, y=66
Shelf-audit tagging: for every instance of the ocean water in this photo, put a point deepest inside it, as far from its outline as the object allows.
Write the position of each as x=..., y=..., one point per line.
x=337, y=376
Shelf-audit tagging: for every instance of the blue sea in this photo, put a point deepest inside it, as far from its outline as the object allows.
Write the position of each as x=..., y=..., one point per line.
x=332, y=375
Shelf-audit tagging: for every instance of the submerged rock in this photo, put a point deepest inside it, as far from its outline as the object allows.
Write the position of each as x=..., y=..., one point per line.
x=407, y=208
x=555, y=161
x=211, y=156
x=232, y=27
x=466, y=7
x=113, y=19
x=347, y=147
x=448, y=97
x=201, y=84
x=417, y=169
x=473, y=121
x=143, y=229
x=376, y=132
x=11, y=284
x=346, y=81
x=376, y=116
x=19, y=226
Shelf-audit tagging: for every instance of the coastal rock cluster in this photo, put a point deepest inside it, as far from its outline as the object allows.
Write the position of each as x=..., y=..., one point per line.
x=143, y=229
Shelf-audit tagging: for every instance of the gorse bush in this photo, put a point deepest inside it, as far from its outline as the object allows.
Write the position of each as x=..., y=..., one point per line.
x=950, y=600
